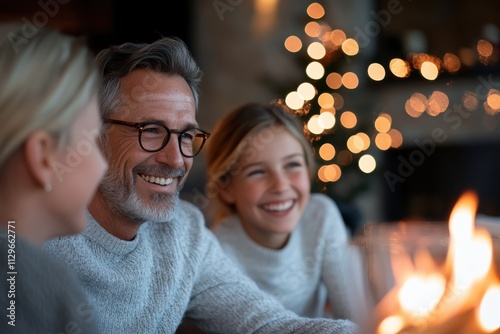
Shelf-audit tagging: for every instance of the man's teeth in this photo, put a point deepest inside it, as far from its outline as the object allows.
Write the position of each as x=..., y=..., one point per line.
x=157, y=180
x=283, y=206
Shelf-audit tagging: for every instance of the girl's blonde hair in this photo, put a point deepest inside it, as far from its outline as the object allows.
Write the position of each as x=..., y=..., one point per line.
x=230, y=138
x=47, y=80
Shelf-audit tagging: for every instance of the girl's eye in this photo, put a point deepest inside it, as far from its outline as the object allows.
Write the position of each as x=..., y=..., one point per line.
x=294, y=164
x=256, y=172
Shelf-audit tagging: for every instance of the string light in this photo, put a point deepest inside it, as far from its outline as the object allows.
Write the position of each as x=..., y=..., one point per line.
x=326, y=45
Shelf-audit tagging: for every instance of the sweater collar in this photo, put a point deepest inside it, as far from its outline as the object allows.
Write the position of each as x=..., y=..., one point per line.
x=108, y=241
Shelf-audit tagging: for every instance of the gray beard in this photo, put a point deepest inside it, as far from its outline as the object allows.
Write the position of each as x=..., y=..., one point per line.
x=125, y=202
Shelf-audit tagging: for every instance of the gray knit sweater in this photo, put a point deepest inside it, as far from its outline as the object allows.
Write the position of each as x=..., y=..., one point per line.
x=171, y=270
x=308, y=271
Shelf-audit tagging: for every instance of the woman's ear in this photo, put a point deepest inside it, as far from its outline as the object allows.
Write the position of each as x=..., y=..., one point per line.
x=39, y=152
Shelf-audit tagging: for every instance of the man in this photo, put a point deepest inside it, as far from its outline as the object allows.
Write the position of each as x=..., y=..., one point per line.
x=146, y=259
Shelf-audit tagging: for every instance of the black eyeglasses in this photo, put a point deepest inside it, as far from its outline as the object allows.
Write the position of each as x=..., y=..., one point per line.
x=154, y=136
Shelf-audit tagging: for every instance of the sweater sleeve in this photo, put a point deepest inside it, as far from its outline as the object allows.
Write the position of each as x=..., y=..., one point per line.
x=226, y=301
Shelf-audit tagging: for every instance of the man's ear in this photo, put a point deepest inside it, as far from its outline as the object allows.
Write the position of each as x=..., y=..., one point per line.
x=39, y=152
x=226, y=194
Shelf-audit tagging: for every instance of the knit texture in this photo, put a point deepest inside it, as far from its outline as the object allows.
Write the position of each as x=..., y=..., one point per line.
x=171, y=270
x=308, y=271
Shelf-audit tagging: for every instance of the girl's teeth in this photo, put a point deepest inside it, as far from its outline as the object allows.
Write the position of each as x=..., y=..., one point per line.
x=279, y=206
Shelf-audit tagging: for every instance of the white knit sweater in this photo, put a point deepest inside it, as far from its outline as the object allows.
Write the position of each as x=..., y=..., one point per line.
x=308, y=271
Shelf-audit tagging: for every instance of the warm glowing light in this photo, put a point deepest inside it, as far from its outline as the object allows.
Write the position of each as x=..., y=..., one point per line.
x=493, y=99
x=383, y=122
x=436, y=290
x=315, y=10
x=265, y=17
x=332, y=111
x=410, y=111
x=391, y=325
x=396, y=138
x=333, y=173
x=484, y=48
x=325, y=100
x=470, y=101
x=334, y=80
x=321, y=174
x=306, y=90
x=488, y=310
x=366, y=140
x=420, y=293
x=327, y=119
x=293, y=44
x=313, y=29
x=400, y=68
x=438, y=103
x=350, y=80
x=367, y=163
x=451, y=63
x=316, y=50
x=490, y=111
x=294, y=100
x=315, y=125
x=418, y=102
x=467, y=252
x=355, y=144
x=348, y=119
x=416, y=105
x=376, y=72
x=429, y=70
x=315, y=70
x=350, y=47
x=266, y=7
x=327, y=151
x=383, y=141
x=462, y=216
x=338, y=37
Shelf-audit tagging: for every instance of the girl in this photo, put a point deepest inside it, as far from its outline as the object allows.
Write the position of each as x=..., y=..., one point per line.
x=286, y=239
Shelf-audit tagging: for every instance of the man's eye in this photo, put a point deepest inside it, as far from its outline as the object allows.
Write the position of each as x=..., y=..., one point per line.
x=152, y=130
x=189, y=135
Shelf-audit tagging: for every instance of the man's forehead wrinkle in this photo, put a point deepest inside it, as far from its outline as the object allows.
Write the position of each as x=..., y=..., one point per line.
x=161, y=97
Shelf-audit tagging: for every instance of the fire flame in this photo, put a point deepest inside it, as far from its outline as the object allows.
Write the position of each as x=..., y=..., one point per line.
x=461, y=295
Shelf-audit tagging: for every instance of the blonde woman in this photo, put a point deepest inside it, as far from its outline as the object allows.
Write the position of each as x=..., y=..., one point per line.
x=50, y=167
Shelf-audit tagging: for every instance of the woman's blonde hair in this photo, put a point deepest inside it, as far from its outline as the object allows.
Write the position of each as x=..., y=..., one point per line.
x=47, y=79
x=231, y=136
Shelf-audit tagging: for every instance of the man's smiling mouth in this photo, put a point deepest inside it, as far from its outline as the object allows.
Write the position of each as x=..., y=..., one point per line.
x=157, y=180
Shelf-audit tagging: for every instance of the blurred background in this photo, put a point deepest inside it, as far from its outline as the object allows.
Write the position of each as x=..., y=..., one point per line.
x=401, y=98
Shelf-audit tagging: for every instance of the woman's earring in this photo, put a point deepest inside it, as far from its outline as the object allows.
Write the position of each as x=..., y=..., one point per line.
x=48, y=187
